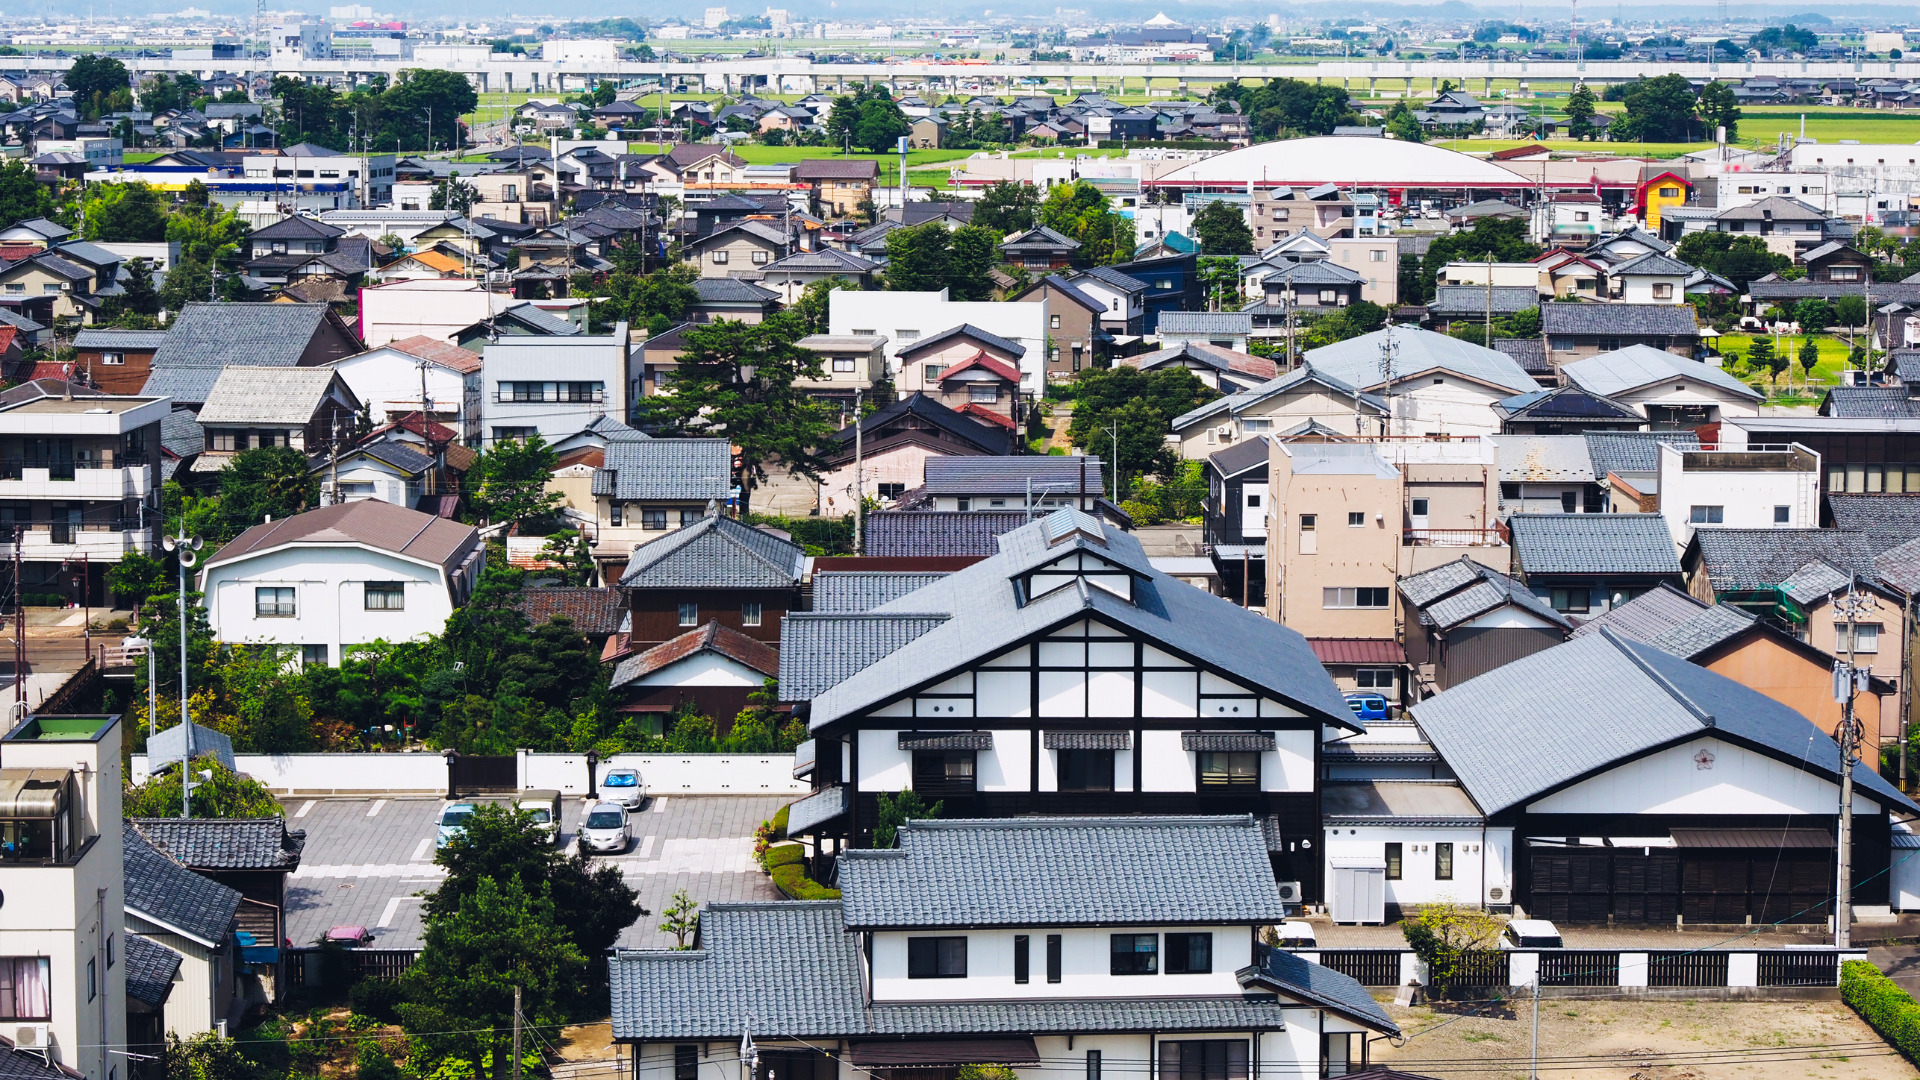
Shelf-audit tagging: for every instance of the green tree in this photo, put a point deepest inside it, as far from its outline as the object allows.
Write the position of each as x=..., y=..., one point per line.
x=1659, y=109
x=509, y=483
x=267, y=702
x=1287, y=108
x=972, y=251
x=1739, y=259
x=813, y=304
x=137, y=576
x=738, y=381
x=501, y=937
x=226, y=794
x=22, y=196
x=918, y=257
x=1221, y=228
x=1809, y=359
x=267, y=481
x=1007, y=207
x=124, y=212
x=1761, y=357
x=895, y=811
x=1142, y=404
x=137, y=297
x=1081, y=212
x=1220, y=280
x=1505, y=240
x=1448, y=936
x=1719, y=108
x=98, y=82
x=1581, y=106
x=453, y=194
x=1850, y=310
x=207, y=1056
x=880, y=126
x=1813, y=314
x=682, y=919
x=1402, y=124
x=420, y=93
x=649, y=300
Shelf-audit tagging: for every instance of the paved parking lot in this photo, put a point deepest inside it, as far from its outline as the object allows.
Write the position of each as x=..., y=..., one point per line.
x=368, y=859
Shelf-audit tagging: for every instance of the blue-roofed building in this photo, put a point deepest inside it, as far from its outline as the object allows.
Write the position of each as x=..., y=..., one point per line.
x=1009, y=942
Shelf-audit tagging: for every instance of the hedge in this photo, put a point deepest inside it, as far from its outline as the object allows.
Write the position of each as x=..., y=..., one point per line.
x=783, y=854
x=1885, y=1007
x=780, y=821
x=792, y=880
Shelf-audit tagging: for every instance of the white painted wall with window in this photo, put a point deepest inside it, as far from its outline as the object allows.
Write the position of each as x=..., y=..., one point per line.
x=1098, y=962
x=325, y=595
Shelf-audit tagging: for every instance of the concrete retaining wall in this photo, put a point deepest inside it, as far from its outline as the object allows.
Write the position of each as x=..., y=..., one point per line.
x=426, y=773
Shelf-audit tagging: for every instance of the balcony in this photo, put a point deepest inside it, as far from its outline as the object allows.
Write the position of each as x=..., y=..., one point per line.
x=105, y=540
x=59, y=481
x=1495, y=537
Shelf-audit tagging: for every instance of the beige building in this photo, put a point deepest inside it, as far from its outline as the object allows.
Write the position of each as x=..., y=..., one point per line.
x=925, y=362
x=1278, y=213
x=1298, y=398
x=1374, y=258
x=520, y=197
x=746, y=247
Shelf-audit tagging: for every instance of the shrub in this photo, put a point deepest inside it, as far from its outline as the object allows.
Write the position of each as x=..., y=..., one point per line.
x=792, y=880
x=376, y=998
x=784, y=855
x=1885, y=1007
x=780, y=822
x=985, y=1072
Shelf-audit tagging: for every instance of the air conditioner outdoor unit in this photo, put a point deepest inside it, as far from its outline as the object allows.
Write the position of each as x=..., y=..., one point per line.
x=1289, y=892
x=1496, y=894
x=37, y=1038
x=1225, y=431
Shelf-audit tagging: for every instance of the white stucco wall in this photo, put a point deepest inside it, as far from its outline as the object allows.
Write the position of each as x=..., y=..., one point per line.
x=1085, y=966
x=329, y=598
x=1734, y=781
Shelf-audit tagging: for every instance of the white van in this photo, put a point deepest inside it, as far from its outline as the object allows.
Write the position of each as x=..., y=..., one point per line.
x=544, y=805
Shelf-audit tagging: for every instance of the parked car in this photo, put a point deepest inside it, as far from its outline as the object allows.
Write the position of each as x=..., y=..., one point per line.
x=453, y=822
x=349, y=936
x=1295, y=935
x=1531, y=934
x=606, y=828
x=544, y=805
x=1368, y=706
x=624, y=786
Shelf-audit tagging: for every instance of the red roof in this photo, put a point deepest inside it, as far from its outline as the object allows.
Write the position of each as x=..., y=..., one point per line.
x=981, y=412
x=16, y=252
x=726, y=641
x=1528, y=150
x=983, y=361
x=1341, y=650
x=48, y=369
x=438, y=352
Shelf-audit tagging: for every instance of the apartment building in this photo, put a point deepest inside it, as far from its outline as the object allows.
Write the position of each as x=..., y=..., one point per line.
x=554, y=386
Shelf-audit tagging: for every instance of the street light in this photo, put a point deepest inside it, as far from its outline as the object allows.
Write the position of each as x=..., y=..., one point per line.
x=185, y=549
x=152, y=691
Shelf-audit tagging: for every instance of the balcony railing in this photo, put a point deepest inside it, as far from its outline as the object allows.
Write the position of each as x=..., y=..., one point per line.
x=1496, y=537
x=17, y=468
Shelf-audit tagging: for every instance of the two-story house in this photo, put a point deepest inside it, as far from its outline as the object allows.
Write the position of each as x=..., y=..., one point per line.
x=713, y=570
x=1074, y=332
x=1053, y=965
x=389, y=380
x=117, y=361
x=298, y=247
x=554, y=386
x=1333, y=546
x=206, y=338
x=838, y=188
x=308, y=409
x=895, y=443
x=80, y=475
x=1062, y=676
x=925, y=361
x=849, y=363
x=1652, y=278
x=645, y=487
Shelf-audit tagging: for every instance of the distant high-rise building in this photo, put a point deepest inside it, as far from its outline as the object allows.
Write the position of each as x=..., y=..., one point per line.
x=715, y=16
x=350, y=13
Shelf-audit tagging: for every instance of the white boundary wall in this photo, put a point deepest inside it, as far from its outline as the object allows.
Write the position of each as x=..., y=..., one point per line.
x=426, y=773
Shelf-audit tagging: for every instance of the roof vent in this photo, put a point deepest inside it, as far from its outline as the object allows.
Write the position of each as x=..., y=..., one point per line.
x=1064, y=524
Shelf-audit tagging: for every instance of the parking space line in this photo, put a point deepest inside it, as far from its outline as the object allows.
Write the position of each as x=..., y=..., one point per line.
x=420, y=853
x=374, y=810
x=646, y=848
x=659, y=804
x=392, y=909
x=304, y=808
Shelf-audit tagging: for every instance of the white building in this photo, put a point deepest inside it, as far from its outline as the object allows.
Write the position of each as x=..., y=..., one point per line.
x=1439, y=386
x=61, y=925
x=308, y=39
x=906, y=317
x=554, y=387
x=1670, y=391
x=99, y=152
x=1770, y=487
x=389, y=381
x=578, y=52
x=313, y=174
x=435, y=308
x=340, y=576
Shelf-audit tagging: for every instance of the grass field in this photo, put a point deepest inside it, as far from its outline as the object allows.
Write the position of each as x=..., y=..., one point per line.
x=1794, y=382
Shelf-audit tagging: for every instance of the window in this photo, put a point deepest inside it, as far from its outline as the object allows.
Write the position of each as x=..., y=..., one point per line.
x=762, y=258
x=1866, y=637
x=689, y=614
x=613, y=514
x=689, y=516
x=93, y=979
x=653, y=519
x=1053, y=322
x=509, y=192
x=937, y=958
x=943, y=772
x=1189, y=954
x=686, y=1062
x=1844, y=273
x=983, y=395
x=1443, y=862
x=934, y=370
x=1706, y=515
x=1336, y=1053
x=1419, y=508
x=113, y=359
x=273, y=602
x=720, y=256
x=1307, y=522
x=843, y=364
x=1135, y=954
x=1356, y=519
x=1576, y=601
x=1226, y=769
x=1663, y=290
x=1086, y=770
x=109, y=952
x=16, y=288
x=386, y=596
x=1783, y=515
x=1374, y=678
x=24, y=993
x=1567, y=502
x=750, y=613
x=1053, y=958
x=1376, y=256
x=1354, y=598
x=1253, y=500
x=1210, y=1059
x=315, y=655
x=1020, y=958
x=1395, y=863
x=1093, y=1065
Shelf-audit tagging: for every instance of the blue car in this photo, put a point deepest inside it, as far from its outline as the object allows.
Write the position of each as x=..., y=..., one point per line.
x=1368, y=706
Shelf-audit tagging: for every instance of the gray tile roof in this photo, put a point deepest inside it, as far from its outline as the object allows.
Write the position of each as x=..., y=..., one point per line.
x=1899, y=567
x=1586, y=319
x=151, y=967
x=939, y=532
x=163, y=891
x=1086, y=1014
x=540, y=321
x=1059, y=872
x=1885, y=520
x=1705, y=630
x=1851, y=402
x=1653, y=699
x=397, y=454
x=1627, y=452
x=1815, y=582
x=1228, y=323
x=820, y=650
x=816, y=809
x=1236, y=403
x=1653, y=263
x=285, y=397
x=100, y=338
x=180, y=433
x=1743, y=560
x=1459, y=591
x=690, y=470
x=1357, y=361
x=1110, y=276
x=208, y=337
x=1011, y=348
x=1462, y=301
x=226, y=843
x=1057, y=477
x=852, y=592
x=1320, y=984
x=1592, y=544
x=716, y=552
x=731, y=291
x=1635, y=366
x=988, y=615
x=1646, y=616
x=1565, y=403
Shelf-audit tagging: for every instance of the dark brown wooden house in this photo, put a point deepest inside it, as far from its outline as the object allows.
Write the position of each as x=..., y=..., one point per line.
x=1464, y=619
x=117, y=361
x=715, y=570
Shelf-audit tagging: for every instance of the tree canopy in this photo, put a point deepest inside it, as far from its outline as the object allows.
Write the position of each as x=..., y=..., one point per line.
x=1287, y=107
x=1081, y=212
x=929, y=257
x=100, y=84
x=1007, y=207
x=1739, y=259
x=1660, y=109
x=385, y=116
x=1142, y=404
x=124, y=212
x=1221, y=228
x=509, y=483
x=1505, y=240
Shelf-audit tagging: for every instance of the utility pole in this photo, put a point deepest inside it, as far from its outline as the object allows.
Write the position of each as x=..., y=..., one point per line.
x=19, y=625
x=1533, y=1071
x=1848, y=680
x=859, y=482
x=1116, y=463
x=516, y=1033
x=426, y=432
x=1487, y=338
x=185, y=550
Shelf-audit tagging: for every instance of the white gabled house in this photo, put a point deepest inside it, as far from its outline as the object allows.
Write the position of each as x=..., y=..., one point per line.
x=341, y=576
x=1013, y=943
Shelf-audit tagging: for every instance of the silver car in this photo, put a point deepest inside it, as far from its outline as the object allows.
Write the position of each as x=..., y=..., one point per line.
x=606, y=828
x=624, y=786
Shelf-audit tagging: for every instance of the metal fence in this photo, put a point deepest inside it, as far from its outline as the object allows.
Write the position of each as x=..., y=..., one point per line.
x=1688, y=968
x=1579, y=967
x=305, y=966
x=1368, y=967
x=1811, y=967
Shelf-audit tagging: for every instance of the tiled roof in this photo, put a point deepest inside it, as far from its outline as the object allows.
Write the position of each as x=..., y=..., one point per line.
x=370, y=522
x=1742, y=560
x=1626, y=452
x=1885, y=520
x=1091, y=1015
x=731, y=291
x=1458, y=591
x=1565, y=403
x=1815, y=582
x=983, y=362
x=1229, y=323
x=287, y=397
x=1653, y=699
x=1646, y=616
x=1592, y=544
x=1357, y=651
x=1653, y=263
x=162, y=890
x=1899, y=567
x=1637, y=366
x=1544, y=459
x=211, y=336
x=1357, y=361
x=1319, y=984
x=1109, y=276
x=1857, y=402
x=836, y=169
x=1011, y=348
x=1705, y=630
x=712, y=637
x=822, y=261
x=1007, y=476
x=853, y=591
x=715, y=552
x=1039, y=238
x=939, y=532
x=1238, y=402
x=820, y=650
x=1058, y=871
x=180, y=433
x=1583, y=319
x=693, y=470
x=1462, y=301
x=593, y=611
x=125, y=340
x=226, y=843
x=990, y=440
x=151, y=968
x=397, y=454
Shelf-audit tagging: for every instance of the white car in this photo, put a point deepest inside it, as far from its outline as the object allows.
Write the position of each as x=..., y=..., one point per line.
x=606, y=828
x=1296, y=935
x=624, y=786
x=453, y=823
